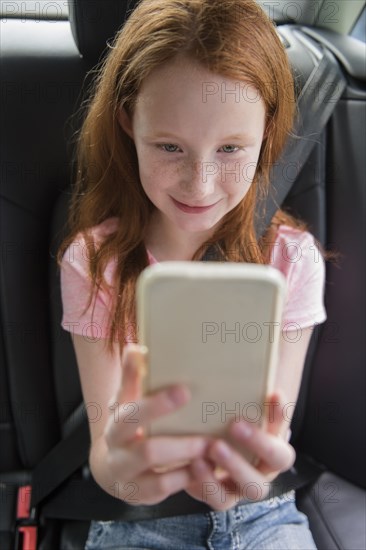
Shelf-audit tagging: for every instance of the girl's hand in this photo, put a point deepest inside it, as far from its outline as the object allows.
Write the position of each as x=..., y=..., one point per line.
x=146, y=470
x=224, y=476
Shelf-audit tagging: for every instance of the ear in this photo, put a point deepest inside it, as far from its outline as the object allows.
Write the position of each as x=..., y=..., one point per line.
x=125, y=121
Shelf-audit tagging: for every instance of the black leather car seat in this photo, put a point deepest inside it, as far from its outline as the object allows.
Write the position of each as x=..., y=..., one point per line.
x=40, y=84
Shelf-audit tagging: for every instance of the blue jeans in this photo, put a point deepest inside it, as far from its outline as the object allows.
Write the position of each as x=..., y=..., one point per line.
x=273, y=524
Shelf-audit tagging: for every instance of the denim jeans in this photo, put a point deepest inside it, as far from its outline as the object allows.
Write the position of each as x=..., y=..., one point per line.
x=273, y=524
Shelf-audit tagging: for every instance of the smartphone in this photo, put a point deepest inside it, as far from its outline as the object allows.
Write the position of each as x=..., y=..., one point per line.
x=215, y=327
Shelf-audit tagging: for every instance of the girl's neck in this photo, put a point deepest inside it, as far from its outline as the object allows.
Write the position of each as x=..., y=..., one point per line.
x=168, y=243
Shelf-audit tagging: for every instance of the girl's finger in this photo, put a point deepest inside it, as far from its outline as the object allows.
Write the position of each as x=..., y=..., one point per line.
x=146, y=454
x=152, y=488
x=219, y=494
x=130, y=417
x=273, y=453
x=242, y=473
x=276, y=421
x=133, y=370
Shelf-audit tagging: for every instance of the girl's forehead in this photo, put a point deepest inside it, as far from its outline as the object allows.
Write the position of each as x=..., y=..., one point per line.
x=185, y=100
x=182, y=76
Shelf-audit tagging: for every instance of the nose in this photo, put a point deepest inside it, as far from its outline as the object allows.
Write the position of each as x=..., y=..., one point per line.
x=198, y=180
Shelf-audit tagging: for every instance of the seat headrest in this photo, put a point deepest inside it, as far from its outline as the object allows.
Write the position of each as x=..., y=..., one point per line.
x=94, y=23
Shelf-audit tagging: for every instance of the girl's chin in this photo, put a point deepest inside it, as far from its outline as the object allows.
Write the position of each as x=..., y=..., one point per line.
x=185, y=222
x=198, y=227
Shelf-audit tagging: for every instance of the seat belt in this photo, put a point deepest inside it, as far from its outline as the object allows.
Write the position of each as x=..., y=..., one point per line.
x=316, y=103
x=83, y=498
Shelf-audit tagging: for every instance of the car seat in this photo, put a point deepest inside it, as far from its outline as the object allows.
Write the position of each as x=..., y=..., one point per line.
x=44, y=65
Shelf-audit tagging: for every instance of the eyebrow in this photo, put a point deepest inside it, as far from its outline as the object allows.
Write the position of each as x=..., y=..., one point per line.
x=169, y=135
x=238, y=136
x=160, y=135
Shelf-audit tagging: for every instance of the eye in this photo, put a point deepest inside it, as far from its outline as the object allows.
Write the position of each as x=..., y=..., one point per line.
x=168, y=147
x=232, y=147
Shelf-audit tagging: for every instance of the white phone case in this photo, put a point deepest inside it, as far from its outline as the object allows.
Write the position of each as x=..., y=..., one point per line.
x=216, y=327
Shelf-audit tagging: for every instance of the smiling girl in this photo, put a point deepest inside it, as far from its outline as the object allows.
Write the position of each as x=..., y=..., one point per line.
x=191, y=107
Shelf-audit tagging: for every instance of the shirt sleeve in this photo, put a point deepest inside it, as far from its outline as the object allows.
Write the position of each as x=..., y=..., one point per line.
x=302, y=263
x=92, y=322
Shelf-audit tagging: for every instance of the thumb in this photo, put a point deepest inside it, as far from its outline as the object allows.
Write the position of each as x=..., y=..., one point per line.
x=275, y=421
x=133, y=366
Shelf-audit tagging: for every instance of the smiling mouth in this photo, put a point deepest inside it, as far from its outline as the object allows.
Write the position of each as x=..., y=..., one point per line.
x=192, y=209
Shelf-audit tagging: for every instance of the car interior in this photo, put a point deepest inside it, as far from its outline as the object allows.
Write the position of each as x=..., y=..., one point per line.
x=47, y=58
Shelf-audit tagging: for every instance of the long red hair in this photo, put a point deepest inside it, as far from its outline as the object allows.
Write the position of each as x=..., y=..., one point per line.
x=233, y=38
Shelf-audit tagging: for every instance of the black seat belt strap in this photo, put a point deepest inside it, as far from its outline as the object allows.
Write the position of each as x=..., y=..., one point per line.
x=316, y=103
x=61, y=462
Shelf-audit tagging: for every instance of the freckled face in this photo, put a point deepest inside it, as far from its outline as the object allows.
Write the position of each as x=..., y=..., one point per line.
x=198, y=137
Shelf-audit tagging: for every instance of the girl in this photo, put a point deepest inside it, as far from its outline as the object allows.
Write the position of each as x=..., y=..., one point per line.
x=191, y=107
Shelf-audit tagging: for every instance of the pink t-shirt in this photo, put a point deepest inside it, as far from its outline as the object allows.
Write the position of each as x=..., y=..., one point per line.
x=294, y=253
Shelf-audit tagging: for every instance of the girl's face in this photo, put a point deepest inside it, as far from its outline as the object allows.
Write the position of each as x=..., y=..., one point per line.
x=198, y=137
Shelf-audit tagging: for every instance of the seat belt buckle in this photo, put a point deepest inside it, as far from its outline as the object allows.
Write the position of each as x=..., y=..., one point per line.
x=26, y=526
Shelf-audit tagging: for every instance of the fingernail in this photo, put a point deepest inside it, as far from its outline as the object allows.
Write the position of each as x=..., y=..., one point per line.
x=199, y=467
x=222, y=451
x=140, y=361
x=178, y=395
x=243, y=430
x=144, y=350
x=142, y=371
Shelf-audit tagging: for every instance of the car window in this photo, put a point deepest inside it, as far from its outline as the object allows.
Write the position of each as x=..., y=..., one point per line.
x=359, y=30
x=36, y=10
x=336, y=15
